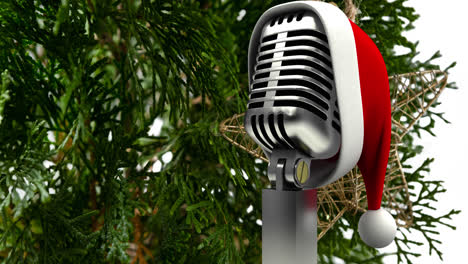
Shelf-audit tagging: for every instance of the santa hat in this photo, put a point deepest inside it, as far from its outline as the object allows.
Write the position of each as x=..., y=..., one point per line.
x=376, y=227
x=363, y=97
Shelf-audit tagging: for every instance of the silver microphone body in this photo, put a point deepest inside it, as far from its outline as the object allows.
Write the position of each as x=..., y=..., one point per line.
x=293, y=100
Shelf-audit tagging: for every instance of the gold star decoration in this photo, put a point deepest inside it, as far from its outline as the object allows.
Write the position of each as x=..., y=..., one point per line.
x=411, y=96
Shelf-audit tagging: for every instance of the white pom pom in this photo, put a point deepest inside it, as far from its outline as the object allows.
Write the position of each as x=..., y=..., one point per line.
x=377, y=228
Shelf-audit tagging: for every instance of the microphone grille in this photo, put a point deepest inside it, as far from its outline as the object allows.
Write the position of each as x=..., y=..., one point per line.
x=292, y=87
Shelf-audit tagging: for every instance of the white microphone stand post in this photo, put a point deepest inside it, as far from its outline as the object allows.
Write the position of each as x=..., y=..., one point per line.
x=289, y=217
x=289, y=226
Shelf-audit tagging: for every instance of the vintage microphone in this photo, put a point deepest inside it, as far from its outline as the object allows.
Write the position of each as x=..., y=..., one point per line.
x=319, y=104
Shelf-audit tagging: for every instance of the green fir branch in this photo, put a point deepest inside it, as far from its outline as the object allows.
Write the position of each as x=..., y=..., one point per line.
x=82, y=81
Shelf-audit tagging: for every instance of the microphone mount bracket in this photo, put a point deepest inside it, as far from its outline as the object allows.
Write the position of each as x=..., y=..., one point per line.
x=289, y=169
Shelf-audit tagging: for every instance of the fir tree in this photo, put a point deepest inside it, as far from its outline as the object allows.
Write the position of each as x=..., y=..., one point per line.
x=83, y=181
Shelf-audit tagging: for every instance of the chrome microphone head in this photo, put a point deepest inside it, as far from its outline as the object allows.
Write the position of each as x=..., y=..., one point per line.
x=293, y=100
x=306, y=58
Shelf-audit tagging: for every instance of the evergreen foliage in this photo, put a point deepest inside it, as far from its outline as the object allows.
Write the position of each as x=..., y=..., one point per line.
x=81, y=84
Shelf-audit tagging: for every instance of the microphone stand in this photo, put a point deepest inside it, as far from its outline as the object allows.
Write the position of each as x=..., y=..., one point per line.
x=289, y=220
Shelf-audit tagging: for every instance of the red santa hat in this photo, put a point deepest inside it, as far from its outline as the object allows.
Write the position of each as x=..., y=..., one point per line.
x=363, y=97
x=376, y=227
x=360, y=69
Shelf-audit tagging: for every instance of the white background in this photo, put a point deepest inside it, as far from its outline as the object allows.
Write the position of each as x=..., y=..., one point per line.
x=443, y=25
